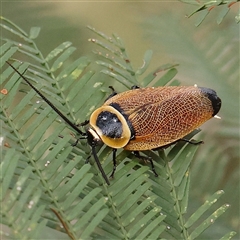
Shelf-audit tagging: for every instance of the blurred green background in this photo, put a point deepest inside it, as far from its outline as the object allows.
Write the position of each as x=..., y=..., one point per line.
x=208, y=56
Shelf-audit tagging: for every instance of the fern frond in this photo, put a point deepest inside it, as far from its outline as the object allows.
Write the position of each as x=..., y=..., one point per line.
x=117, y=64
x=20, y=198
x=69, y=192
x=206, y=7
x=52, y=160
x=209, y=221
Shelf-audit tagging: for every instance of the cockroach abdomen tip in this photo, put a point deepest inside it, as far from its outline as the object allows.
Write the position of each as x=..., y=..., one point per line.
x=212, y=96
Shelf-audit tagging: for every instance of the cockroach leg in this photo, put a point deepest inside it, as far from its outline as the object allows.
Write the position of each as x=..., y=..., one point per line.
x=114, y=163
x=191, y=142
x=136, y=153
x=135, y=87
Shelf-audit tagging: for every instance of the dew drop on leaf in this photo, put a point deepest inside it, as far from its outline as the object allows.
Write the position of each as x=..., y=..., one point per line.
x=47, y=163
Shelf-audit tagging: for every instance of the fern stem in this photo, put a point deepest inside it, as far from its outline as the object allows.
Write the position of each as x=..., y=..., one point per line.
x=118, y=218
x=177, y=207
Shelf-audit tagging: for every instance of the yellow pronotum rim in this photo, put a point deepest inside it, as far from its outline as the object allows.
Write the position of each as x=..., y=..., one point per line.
x=111, y=142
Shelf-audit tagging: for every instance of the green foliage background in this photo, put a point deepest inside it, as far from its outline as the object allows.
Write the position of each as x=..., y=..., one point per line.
x=42, y=171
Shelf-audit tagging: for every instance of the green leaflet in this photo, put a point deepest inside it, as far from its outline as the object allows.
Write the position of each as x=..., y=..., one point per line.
x=22, y=197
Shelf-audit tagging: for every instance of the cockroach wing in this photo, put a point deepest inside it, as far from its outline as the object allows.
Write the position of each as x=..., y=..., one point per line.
x=163, y=115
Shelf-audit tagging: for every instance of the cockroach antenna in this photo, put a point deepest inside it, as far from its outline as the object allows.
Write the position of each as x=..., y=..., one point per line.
x=84, y=135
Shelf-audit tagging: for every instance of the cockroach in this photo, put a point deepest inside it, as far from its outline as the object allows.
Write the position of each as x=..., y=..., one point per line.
x=144, y=118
